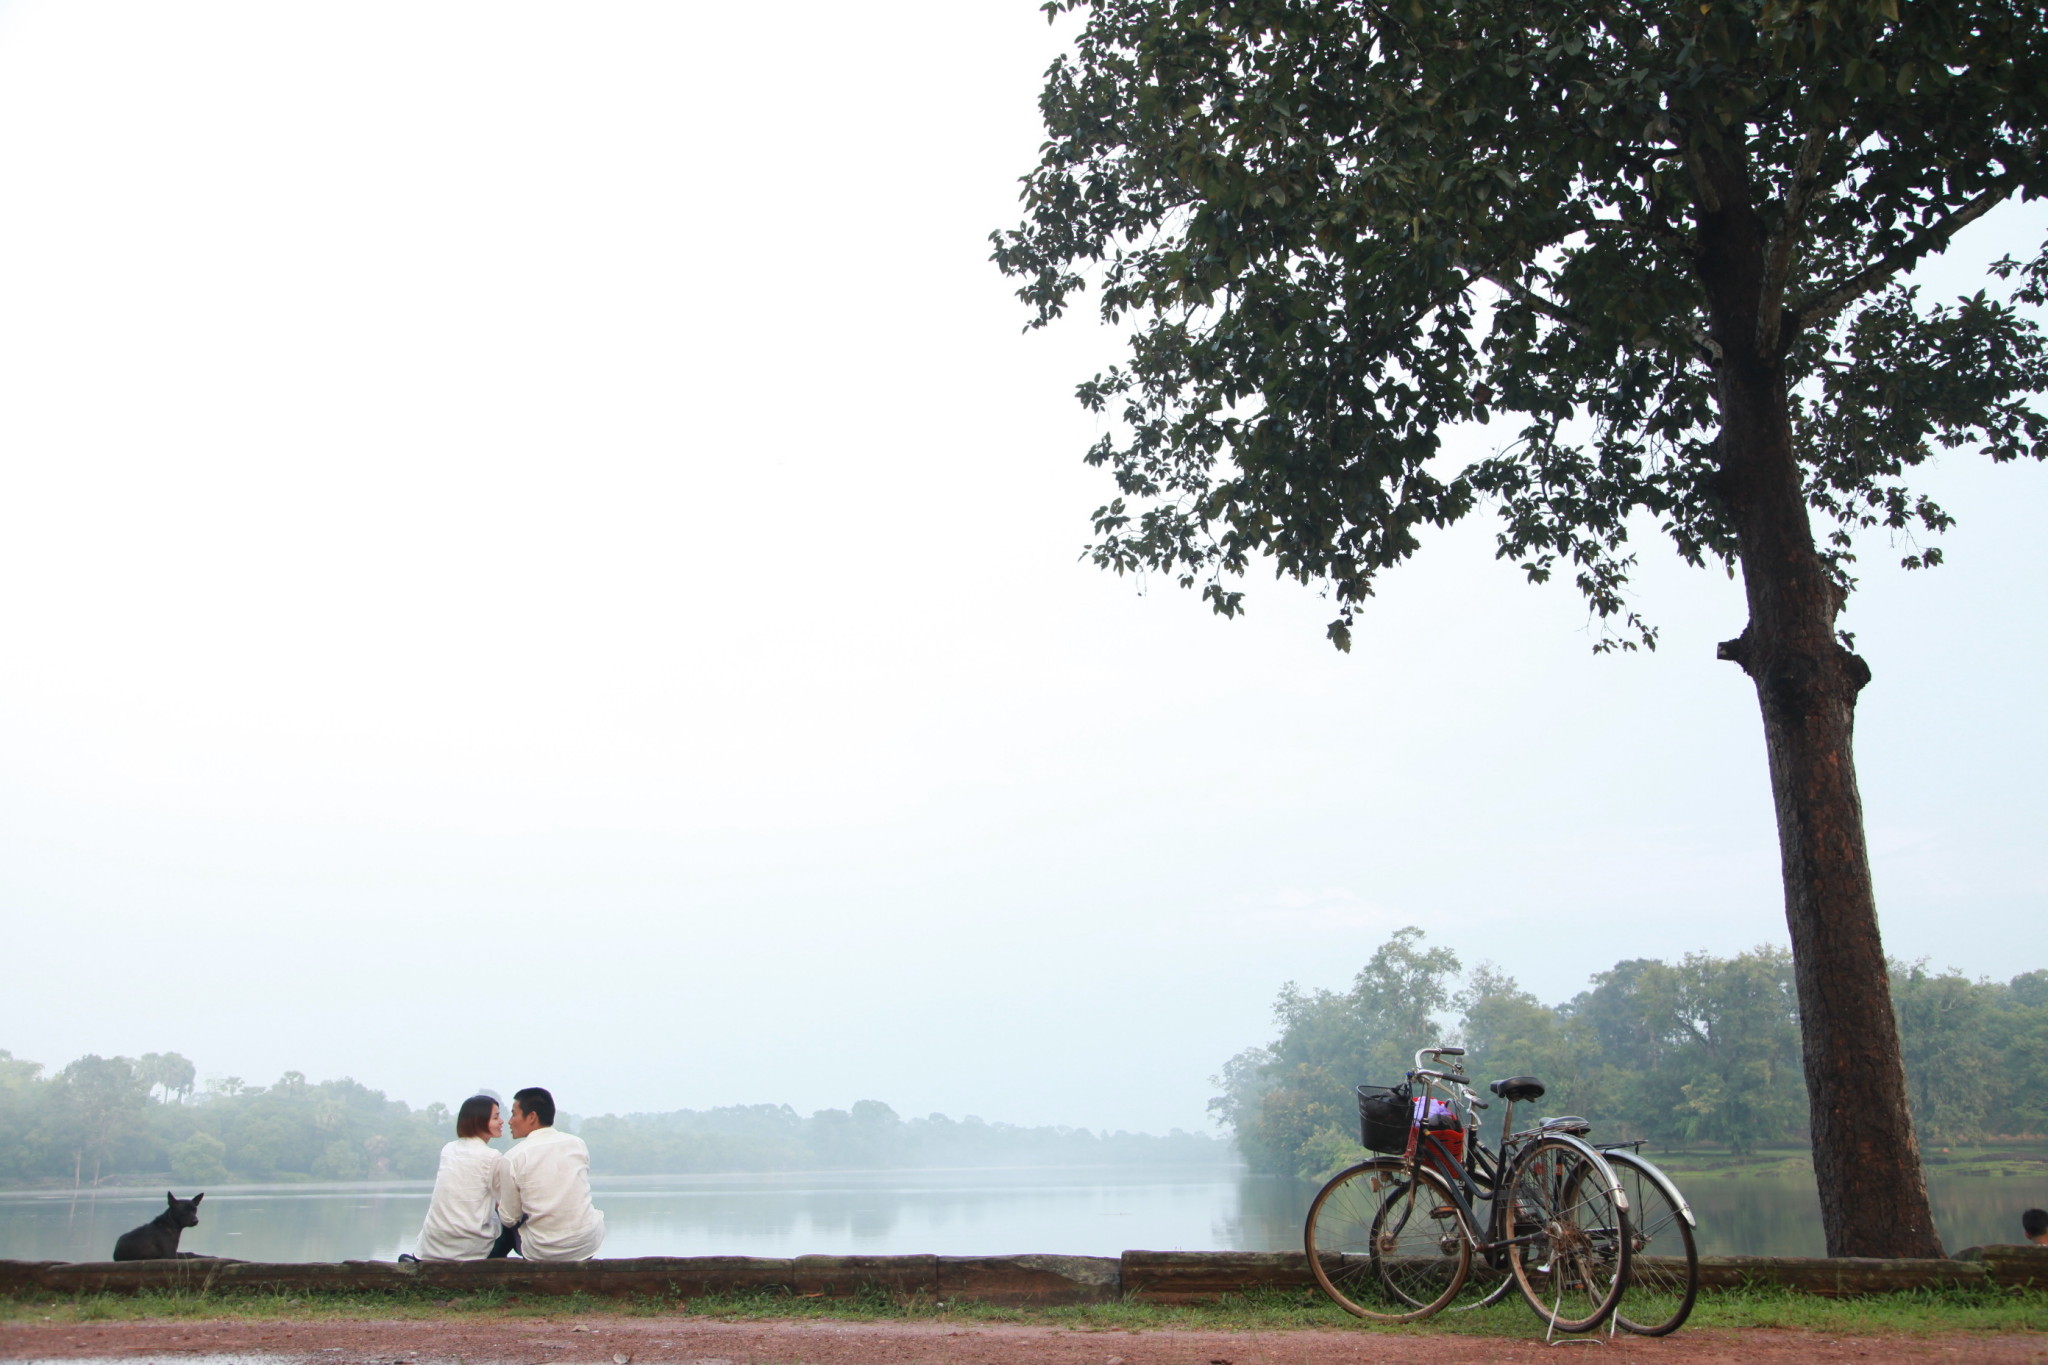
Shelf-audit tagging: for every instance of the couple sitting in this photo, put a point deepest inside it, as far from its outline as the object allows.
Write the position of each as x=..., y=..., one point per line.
x=534, y=1199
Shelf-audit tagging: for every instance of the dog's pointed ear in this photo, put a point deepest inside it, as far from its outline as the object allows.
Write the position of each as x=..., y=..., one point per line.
x=197, y=1197
x=172, y=1198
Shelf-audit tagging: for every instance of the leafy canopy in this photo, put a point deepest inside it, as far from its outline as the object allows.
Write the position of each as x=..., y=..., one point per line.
x=1342, y=225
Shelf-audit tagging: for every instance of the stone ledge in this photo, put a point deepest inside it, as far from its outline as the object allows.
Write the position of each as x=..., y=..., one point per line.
x=991, y=1279
x=1835, y=1276
x=2021, y=1265
x=656, y=1276
x=1199, y=1276
x=1030, y=1279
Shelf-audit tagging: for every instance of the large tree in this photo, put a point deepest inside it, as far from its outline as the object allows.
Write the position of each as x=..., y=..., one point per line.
x=1668, y=241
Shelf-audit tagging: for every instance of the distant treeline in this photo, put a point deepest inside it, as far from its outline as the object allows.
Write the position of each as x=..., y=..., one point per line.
x=771, y=1137
x=1704, y=1051
x=105, y=1118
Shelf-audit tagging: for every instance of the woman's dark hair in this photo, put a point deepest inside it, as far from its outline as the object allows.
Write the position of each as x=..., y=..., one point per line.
x=473, y=1119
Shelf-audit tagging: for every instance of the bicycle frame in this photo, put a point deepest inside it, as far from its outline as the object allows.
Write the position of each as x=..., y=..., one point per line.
x=1464, y=1190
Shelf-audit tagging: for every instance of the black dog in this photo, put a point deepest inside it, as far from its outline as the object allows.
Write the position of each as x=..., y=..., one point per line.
x=157, y=1240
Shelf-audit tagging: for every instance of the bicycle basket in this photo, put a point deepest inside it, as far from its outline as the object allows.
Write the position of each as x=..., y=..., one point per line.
x=1384, y=1115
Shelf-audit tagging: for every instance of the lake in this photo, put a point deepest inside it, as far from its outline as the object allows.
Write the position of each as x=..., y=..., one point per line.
x=1081, y=1211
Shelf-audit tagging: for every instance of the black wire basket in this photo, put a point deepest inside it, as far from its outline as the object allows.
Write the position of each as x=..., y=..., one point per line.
x=1385, y=1114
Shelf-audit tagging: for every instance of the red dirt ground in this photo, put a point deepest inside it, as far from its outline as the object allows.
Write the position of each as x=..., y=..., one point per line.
x=703, y=1341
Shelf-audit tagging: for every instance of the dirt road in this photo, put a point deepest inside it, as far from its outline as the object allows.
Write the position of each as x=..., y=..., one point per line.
x=702, y=1341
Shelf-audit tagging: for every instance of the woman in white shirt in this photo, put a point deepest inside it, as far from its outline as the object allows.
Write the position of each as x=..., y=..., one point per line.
x=462, y=1222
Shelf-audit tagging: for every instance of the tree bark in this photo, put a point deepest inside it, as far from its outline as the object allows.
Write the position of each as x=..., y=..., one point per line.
x=1866, y=1158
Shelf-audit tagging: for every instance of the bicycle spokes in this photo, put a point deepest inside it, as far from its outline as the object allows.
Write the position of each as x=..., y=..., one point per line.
x=1386, y=1243
x=1572, y=1239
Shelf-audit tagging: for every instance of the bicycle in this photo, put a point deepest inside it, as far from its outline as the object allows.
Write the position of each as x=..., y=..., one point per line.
x=1664, y=1265
x=1395, y=1238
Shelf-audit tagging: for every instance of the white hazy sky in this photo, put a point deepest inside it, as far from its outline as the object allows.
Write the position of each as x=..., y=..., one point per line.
x=533, y=550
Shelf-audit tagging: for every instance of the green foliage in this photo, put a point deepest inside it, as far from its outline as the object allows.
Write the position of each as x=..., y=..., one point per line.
x=341, y=1161
x=1714, y=1044
x=199, y=1161
x=1976, y=1052
x=167, y=1075
x=1345, y=226
x=1705, y=1050
x=1508, y=1032
x=99, y=1118
x=98, y=1101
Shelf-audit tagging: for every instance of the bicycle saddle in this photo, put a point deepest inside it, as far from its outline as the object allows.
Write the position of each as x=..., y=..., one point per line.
x=1515, y=1089
x=1568, y=1123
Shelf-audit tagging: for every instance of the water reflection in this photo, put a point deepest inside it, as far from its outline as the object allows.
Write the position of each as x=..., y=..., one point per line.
x=1737, y=1213
x=1100, y=1212
x=1096, y=1211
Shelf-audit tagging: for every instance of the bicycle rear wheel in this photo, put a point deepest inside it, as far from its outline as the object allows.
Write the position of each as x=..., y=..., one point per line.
x=1574, y=1264
x=1664, y=1267
x=1387, y=1243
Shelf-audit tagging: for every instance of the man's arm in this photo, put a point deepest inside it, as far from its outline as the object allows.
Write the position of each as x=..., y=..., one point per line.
x=507, y=1182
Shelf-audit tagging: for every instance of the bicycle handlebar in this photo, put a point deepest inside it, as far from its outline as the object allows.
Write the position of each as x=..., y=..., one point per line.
x=1450, y=1076
x=1454, y=1079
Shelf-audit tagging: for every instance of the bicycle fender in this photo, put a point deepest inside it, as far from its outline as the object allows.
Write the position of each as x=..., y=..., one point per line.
x=1663, y=1182
x=1600, y=1163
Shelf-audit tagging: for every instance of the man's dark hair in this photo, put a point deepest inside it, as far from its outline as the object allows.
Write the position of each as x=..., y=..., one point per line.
x=538, y=1103
x=2035, y=1221
x=473, y=1119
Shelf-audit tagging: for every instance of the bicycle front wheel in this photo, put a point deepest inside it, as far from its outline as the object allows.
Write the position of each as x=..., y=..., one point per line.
x=1664, y=1267
x=1387, y=1243
x=1571, y=1249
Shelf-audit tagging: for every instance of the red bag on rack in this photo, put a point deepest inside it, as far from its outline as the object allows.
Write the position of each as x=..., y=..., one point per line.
x=1447, y=1131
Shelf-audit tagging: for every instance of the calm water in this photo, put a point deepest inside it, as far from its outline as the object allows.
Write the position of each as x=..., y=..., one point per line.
x=1098, y=1212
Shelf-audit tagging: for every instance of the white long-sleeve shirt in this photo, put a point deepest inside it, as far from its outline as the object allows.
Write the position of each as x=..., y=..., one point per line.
x=546, y=1176
x=462, y=1222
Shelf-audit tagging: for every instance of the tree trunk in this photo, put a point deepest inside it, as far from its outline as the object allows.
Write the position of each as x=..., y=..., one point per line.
x=1866, y=1159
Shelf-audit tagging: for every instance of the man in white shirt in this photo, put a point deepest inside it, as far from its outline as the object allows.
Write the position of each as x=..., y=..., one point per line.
x=546, y=1181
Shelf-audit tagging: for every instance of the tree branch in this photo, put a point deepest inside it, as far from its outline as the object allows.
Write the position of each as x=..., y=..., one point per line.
x=1660, y=235
x=1709, y=352
x=1818, y=308
x=1778, y=257
x=1537, y=302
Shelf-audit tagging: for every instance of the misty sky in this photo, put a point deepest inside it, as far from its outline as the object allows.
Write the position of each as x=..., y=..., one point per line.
x=533, y=550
